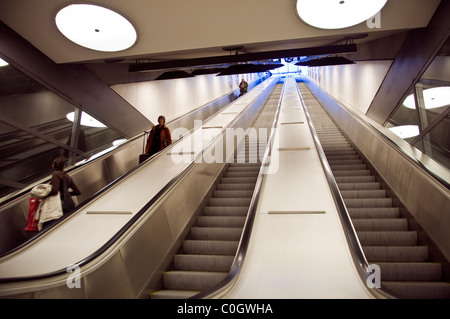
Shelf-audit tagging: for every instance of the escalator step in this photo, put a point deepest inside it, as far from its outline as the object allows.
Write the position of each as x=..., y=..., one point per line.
x=396, y=253
x=387, y=238
x=220, y=221
x=374, y=212
x=368, y=202
x=210, y=247
x=225, y=211
x=229, y=202
x=419, y=290
x=233, y=194
x=188, y=262
x=192, y=280
x=380, y=224
x=410, y=271
x=173, y=294
x=216, y=233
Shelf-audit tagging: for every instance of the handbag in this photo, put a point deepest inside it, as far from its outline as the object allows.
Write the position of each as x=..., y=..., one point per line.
x=33, y=207
x=50, y=209
x=144, y=156
x=41, y=190
x=67, y=202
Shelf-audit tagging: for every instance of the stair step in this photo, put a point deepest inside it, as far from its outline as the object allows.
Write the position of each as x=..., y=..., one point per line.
x=238, y=180
x=251, y=174
x=374, y=212
x=243, y=168
x=225, y=211
x=366, y=193
x=210, y=247
x=368, y=202
x=380, y=224
x=358, y=172
x=233, y=194
x=341, y=157
x=173, y=294
x=404, y=271
x=359, y=186
x=348, y=167
x=220, y=221
x=229, y=202
x=387, y=238
x=188, y=262
x=345, y=162
x=396, y=253
x=354, y=179
x=192, y=280
x=216, y=233
x=235, y=165
x=419, y=290
x=236, y=186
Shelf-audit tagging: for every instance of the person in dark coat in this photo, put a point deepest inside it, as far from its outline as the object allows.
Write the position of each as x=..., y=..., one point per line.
x=63, y=183
x=159, y=137
x=243, y=86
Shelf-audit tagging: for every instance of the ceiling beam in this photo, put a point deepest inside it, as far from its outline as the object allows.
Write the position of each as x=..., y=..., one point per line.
x=257, y=56
x=414, y=57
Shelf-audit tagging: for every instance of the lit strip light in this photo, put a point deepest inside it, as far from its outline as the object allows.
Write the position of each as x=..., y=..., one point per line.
x=3, y=63
x=96, y=27
x=85, y=120
x=432, y=98
x=405, y=131
x=337, y=14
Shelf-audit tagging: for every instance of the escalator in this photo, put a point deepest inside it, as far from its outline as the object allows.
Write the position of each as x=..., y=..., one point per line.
x=384, y=231
x=207, y=253
x=110, y=229
x=92, y=177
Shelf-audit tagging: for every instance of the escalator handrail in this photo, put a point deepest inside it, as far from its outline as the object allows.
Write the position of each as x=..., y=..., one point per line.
x=248, y=226
x=122, y=231
x=349, y=230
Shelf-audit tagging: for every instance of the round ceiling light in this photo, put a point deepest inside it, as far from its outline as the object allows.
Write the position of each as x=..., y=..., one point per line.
x=96, y=27
x=86, y=120
x=337, y=14
x=432, y=98
x=405, y=131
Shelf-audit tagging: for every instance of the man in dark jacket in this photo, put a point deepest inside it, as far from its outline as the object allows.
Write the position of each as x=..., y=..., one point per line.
x=159, y=137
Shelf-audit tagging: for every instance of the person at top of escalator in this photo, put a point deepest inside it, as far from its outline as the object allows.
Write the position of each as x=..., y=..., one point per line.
x=159, y=137
x=243, y=87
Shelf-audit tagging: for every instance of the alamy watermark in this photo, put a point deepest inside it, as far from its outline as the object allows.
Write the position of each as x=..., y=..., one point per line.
x=374, y=279
x=374, y=22
x=74, y=278
x=228, y=147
